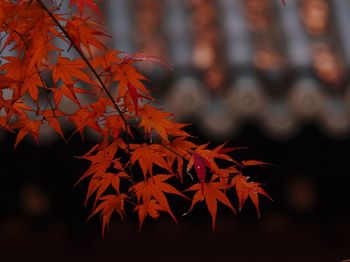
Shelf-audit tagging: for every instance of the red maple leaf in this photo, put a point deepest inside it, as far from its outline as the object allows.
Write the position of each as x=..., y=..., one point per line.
x=246, y=189
x=109, y=204
x=82, y=3
x=211, y=192
x=151, y=191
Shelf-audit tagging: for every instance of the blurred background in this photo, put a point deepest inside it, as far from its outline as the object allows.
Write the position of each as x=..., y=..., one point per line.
x=259, y=74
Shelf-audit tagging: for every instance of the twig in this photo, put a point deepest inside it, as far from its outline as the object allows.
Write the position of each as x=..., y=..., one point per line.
x=87, y=62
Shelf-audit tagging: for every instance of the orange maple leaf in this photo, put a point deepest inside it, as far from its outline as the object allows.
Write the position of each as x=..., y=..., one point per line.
x=254, y=163
x=15, y=108
x=211, y=192
x=51, y=116
x=27, y=126
x=155, y=187
x=153, y=119
x=101, y=181
x=247, y=189
x=55, y=125
x=107, y=59
x=211, y=154
x=114, y=125
x=147, y=156
x=139, y=56
x=109, y=204
x=68, y=70
x=40, y=48
x=101, y=160
x=16, y=68
x=68, y=91
x=130, y=85
x=152, y=209
x=84, y=33
x=82, y=3
x=82, y=118
x=178, y=149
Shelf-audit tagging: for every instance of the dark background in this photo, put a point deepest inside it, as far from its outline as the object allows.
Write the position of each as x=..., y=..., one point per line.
x=43, y=217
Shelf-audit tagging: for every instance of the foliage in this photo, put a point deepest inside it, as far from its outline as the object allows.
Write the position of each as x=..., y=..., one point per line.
x=126, y=168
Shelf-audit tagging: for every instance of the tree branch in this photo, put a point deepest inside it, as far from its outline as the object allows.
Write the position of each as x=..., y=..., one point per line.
x=82, y=55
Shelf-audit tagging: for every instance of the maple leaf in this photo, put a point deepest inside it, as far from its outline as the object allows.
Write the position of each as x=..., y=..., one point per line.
x=226, y=173
x=82, y=118
x=67, y=70
x=27, y=126
x=109, y=204
x=155, y=187
x=4, y=123
x=217, y=153
x=102, y=160
x=84, y=33
x=82, y=3
x=200, y=165
x=55, y=125
x=134, y=96
x=15, y=108
x=147, y=156
x=254, y=163
x=153, y=119
x=152, y=209
x=39, y=49
x=247, y=189
x=181, y=146
x=51, y=116
x=178, y=149
x=204, y=158
x=26, y=78
x=6, y=82
x=68, y=91
x=114, y=125
x=211, y=192
x=16, y=68
x=129, y=82
x=107, y=59
x=101, y=181
x=31, y=84
x=139, y=56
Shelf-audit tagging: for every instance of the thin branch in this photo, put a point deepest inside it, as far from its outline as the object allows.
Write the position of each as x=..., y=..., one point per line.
x=105, y=89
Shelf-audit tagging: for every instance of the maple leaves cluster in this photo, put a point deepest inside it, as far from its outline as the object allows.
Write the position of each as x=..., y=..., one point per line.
x=142, y=152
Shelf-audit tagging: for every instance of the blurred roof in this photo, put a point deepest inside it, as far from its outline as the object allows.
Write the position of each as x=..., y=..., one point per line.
x=244, y=60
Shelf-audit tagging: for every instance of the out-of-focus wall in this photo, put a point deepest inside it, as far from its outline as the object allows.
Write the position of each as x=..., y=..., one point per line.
x=244, y=60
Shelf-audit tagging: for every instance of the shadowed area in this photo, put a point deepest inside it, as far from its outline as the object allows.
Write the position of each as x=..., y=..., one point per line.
x=43, y=217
